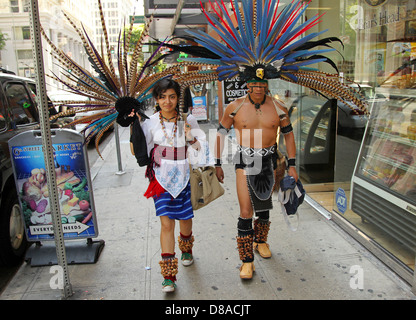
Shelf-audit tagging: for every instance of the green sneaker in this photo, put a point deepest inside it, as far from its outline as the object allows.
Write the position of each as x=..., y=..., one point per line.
x=168, y=285
x=187, y=259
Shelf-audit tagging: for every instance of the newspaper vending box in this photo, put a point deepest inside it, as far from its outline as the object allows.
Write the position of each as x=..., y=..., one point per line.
x=73, y=181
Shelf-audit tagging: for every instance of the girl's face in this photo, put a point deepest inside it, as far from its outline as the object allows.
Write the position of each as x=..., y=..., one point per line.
x=168, y=101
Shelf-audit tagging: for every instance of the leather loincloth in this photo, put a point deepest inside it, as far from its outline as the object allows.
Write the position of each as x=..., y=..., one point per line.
x=259, y=166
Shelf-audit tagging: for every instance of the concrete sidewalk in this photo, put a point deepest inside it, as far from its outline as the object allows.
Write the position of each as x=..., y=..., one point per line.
x=318, y=261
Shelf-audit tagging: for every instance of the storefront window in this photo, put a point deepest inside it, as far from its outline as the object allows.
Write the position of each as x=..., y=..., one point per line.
x=375, y=173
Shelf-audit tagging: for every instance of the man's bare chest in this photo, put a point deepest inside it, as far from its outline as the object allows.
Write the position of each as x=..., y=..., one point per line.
x=251, y=118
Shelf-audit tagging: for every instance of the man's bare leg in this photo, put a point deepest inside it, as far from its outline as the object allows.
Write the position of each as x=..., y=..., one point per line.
x=245, y=227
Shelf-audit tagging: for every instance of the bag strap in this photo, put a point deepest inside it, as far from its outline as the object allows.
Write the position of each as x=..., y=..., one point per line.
x=206, y=185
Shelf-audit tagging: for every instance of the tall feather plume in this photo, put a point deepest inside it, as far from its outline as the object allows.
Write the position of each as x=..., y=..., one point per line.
x=270, y=39
x=121, y=64
x=133, y=75
x=107, y=42
x=96, y=60
x=330, y=86
x=104, y=87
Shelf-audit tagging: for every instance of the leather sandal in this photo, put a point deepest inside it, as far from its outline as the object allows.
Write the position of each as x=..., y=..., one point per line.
x=262, y=249
x=246, y=270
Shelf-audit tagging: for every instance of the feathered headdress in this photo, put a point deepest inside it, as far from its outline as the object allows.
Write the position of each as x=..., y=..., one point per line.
x=115, y=89
x=258, y=43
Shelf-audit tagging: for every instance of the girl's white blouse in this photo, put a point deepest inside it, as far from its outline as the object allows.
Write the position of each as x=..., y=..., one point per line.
x=172, y=175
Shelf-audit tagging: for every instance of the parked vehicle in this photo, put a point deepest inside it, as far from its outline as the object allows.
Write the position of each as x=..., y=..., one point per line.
x=61, y=95
x=69, y=96
x=18, y=113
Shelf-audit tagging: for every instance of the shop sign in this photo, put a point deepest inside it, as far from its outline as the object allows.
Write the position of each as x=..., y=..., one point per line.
x=383, y=15
x=233, y=89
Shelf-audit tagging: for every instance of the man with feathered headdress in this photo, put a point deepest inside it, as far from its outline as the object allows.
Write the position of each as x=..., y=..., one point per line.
x=257, y=43
x=256, y=118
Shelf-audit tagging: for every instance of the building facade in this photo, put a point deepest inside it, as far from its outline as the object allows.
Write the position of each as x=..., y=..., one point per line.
x=116, y=15
x=14, y=23
x=380, y=188
x=360, y=171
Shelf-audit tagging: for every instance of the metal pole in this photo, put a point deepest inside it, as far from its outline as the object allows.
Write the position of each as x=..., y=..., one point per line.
x=47, y=146
x=116, y=136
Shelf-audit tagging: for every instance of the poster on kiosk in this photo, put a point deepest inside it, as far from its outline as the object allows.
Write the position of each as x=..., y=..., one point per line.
x=73, y=182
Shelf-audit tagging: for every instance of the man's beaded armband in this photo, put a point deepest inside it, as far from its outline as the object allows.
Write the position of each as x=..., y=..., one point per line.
x=286, y=129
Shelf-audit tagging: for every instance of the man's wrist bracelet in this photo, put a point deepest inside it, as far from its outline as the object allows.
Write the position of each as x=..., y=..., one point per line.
x=217, y=162
x=291, y=162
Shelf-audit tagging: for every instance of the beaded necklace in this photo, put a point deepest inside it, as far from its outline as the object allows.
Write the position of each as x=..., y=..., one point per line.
x=175, y=127
x=169, y=118
x=257, y=105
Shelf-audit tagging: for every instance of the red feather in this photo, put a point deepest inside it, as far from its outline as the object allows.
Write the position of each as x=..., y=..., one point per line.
x=208, y=18
x=273, y=19
x=306, y=28
x=223, y=21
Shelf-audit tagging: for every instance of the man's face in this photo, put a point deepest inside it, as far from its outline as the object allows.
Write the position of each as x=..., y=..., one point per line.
x=257, y=89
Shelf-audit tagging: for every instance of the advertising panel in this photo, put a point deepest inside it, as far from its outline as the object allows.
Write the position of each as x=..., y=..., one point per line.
x=72, y=179
x=199, y=110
